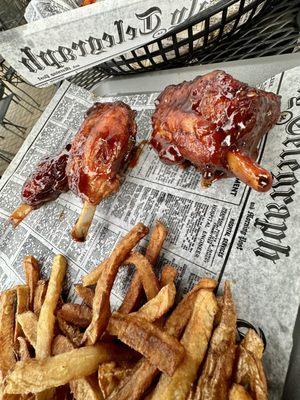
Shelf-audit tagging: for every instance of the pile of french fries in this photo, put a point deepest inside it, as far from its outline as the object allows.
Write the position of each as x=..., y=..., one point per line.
x=145, y=350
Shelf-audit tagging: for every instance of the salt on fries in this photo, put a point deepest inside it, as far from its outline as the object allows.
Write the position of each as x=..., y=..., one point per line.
x=56, y=350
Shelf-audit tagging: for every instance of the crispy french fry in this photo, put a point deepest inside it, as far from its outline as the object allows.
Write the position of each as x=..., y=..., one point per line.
x=82, y=389
x=237, y=392
x=146, y=273
x=22, y=306
x=37, y=375
x=135, y=291
x=119, y=254
x=28, y=322
x=215, y=379
x=72, y=332
x=32, y=275
x=101, y=304
x=45, y=326
x=134, y=386
x=39, y=296
x=7, y=322
x=23, y=349
x=133, y=296
x=195, y=341
x=250, y=371
x=148, y=340
x=110, y=374
x=184, y=309
x=159, y=305
x=19, y=214
x=86, y=294
x=168, y=275
x=77, y=314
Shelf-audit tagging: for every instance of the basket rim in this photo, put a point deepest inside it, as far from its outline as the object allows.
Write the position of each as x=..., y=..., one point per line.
x=203, y=15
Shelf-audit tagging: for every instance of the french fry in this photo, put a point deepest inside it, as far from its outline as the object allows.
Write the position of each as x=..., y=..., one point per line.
x=23, y=349
x=148, y=340
x=28, y=322
x=250, y=370
x=37, y=375
x=101, y=304
x=195, y=341
x=45, y=326
x=82, y=389
x=77, y=314
x=32, y=275
x=39, y=296
x=215, y=379
x=22, y=306
x=109, y=376
x=19, y=214
x=135, y=291
x=7, y=322
x=168, y=275
x=135, y=385
x=119, y=254
x=85, y=293
x=146, y=273
x=72, y=332
x=159, y=305
x=184, y=309
x=237, y=392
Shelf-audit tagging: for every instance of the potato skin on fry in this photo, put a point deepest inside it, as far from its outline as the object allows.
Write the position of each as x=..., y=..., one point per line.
x=77, y=314
x=32, y=275
x=250, y=370
x=195, y=341
x=161, y=349
x=215, y=378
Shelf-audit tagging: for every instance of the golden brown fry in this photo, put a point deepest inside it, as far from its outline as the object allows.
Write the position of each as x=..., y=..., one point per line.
x=77, y=314
x=34, y=375
x=7, y=322
x=159, y=305
x=195, y=341
x=22, y=306
x=45, y=326
x=168, y=275
x=23, y=349
x=86, y=294
x=101, y=304
x=119, y=254
x=39, y=296
x=19, y=214
x=250, y=370
x=133, y=296
x=72, y=332
x=146, y=273
x=148, y=340
x=110, y=374
x=214, y=382
x=28, y=322
x=135, y=291
x=183, y=311
x=32, y=275
x=237, y=392
x=134, y=386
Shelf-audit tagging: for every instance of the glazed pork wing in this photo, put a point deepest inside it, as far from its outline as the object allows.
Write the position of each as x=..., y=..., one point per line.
x=215, y=123
x=99, y=153
x=46, y=183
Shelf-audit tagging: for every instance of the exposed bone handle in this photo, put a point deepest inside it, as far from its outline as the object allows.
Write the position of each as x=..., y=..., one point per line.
x=81, y=228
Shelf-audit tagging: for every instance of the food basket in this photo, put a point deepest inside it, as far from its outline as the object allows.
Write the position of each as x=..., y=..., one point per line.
x=178, y=47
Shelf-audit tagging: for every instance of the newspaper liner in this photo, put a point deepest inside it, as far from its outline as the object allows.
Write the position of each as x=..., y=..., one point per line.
x=70, y=40
x=227, y=231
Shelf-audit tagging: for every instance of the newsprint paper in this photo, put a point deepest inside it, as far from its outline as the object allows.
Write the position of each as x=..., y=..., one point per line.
x=227, y=231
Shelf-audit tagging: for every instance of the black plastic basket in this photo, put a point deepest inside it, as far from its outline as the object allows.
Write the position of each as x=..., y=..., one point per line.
x=179, y=46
